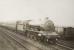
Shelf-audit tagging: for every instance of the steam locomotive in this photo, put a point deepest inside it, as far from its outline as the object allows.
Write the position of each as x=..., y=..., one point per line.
x=45, y=34
x=39, y=33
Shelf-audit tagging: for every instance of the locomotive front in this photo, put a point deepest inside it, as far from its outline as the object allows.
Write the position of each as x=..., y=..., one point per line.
x=48, y=34
x=48, y=37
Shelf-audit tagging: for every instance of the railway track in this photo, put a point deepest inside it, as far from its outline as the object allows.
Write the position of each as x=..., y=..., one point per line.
x=21, y=42
x=65, y=44
x=14, y=42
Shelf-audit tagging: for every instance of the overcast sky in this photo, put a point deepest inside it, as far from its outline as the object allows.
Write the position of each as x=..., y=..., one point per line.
x=61, y=12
